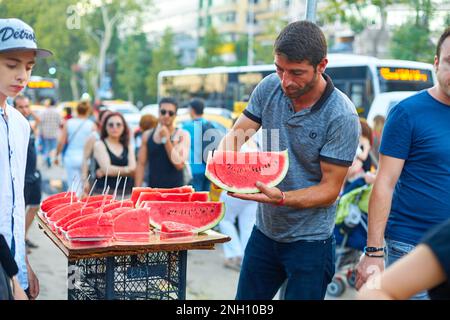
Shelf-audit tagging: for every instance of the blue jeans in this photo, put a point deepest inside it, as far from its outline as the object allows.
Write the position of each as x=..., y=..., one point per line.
x=395, y=251
x=48, y=145
x=308, y=267
x=200, y=182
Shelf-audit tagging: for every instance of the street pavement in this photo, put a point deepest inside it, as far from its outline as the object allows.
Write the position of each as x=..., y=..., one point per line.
x=207, y=278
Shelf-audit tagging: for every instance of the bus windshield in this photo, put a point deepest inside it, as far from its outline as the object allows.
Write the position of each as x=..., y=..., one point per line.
x=40, y=89
x=404, y=79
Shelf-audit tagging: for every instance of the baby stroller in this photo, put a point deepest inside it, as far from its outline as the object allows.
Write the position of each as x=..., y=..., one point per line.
x=351, y=235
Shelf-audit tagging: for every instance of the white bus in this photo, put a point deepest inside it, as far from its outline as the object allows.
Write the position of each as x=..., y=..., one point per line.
x=363, y=79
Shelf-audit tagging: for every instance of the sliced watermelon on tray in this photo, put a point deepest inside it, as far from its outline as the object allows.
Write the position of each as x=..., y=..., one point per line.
x=96, y=198
x=173, y=230
x=91, y=233
x=47, y=205
x=118, y=204
x=201, y=215
x=239, y=171
x=91, y=220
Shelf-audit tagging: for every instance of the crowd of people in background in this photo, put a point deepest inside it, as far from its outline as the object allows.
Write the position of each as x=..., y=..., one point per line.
x=283, y=233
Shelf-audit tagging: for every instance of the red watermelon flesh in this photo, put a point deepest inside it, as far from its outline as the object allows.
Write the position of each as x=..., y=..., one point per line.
x=64, y=224
x=60, y=195
x=58, y=214
x=118, y=204
x=53, y=210
x=118, y=211
x=177, y=197
x=132, y=225
x=239, y=171
x=138, y=190
x=47, y=205
x=98, y=203
x=170, y=230
x=201, y=215
x=100, y=219
x=96, y=198
x=74, y=214
x=135, y=220
x=91, y=232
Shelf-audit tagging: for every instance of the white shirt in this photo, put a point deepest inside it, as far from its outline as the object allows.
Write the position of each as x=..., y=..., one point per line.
x=14, y=137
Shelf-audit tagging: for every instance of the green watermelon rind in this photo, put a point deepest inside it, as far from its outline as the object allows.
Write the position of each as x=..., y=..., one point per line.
x=223, y=186
x=198, y=230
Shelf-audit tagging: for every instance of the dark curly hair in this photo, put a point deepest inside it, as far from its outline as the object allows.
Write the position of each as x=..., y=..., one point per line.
x=302, y=41
x=442, y=38
x=125, y=136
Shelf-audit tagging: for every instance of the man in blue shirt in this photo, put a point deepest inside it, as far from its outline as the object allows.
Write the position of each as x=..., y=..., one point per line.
x=412, y=189
x=200, y=131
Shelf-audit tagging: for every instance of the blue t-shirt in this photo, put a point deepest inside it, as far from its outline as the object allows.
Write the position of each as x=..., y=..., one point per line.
x=201, y=139
x=418, y=131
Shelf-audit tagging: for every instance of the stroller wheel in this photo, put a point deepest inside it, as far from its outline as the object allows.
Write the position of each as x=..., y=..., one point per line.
x=336, y=288
x=351, y=277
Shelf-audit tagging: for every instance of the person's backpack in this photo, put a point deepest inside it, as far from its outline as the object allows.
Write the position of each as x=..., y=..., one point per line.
x=208, y=143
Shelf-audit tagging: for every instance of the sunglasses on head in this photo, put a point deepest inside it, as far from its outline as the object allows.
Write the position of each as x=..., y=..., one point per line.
x=114, y=124
x=163, y=112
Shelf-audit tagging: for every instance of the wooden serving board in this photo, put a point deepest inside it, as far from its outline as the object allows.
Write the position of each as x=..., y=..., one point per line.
x=82, y=250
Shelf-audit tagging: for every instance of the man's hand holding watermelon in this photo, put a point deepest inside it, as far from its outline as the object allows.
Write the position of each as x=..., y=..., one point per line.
x=268, y=195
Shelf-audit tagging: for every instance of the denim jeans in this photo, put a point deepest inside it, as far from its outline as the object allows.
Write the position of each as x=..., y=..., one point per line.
x=308, y=267
x=48, y=145
x=200, y=182
x=395, y=251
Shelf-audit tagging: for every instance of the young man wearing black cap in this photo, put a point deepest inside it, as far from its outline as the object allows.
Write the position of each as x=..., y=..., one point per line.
x=18, y=53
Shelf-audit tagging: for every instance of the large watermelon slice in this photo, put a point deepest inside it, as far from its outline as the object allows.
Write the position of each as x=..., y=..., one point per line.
x=201, y=215
x=73, y=214
x=176, y=197
x=239, y=171
x=60, y=195
x=138, y=190
x=63, y=211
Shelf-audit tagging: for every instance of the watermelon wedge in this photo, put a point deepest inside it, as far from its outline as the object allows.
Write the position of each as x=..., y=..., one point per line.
x=96, y=198
x=132, y=225
x=49, y=204
x=138, y=190
x=60, y=195
x=98, y=203
x=91, y=220
x=201, y=215
x=52, y=210
x=63, y=211
x=176, y=197
x=73, y=214
x=171, y=230
x=118, y=204
x=91, y=233
x=118, y=211
x=239, y=171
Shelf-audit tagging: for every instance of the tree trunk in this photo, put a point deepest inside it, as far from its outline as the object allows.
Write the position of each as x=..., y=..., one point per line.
x=74, y=87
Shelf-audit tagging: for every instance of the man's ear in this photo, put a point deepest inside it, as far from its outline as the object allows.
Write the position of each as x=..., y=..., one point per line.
x=436, y=63
x=322, y=65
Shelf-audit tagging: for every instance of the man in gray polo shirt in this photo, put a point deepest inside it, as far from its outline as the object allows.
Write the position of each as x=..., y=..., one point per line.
x=319, y=126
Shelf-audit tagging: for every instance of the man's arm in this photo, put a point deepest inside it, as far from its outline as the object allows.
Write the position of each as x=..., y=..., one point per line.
x=418, y=271
x=142, y=160
x=323, y=194
x=178, y=152
x=243, y=129
x=389, y=171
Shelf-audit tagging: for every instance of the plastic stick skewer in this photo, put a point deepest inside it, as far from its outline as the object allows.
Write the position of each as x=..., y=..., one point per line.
x=103, y=204
x=123, y=191
x=71, y=187
x=106, y=180
x=90, y=193
x=119, y=178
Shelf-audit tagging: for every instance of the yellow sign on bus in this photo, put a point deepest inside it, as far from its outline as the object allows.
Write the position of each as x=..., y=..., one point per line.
x=42, y=84
x=399, y=74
